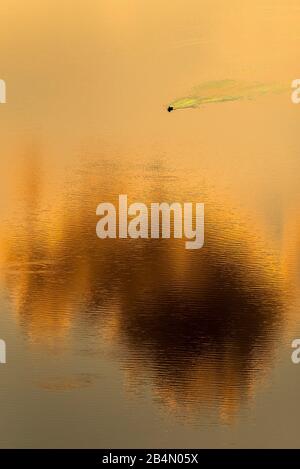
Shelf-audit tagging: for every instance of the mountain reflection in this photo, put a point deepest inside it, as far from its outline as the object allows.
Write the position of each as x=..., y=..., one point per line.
x=199, y=326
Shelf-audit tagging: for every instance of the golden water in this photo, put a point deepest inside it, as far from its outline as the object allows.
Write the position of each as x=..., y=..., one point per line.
x=115, y=343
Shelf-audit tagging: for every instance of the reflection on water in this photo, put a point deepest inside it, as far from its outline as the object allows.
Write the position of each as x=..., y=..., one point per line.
x=119, y=343
x=199, y=325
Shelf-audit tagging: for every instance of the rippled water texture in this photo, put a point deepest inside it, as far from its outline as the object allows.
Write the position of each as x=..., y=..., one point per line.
x=128, y=343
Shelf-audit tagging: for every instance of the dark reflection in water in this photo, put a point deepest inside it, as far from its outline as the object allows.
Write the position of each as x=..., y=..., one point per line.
x=199, y=326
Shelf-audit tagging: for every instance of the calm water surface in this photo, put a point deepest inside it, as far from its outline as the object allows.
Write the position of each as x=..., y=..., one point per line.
x=142, y=343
